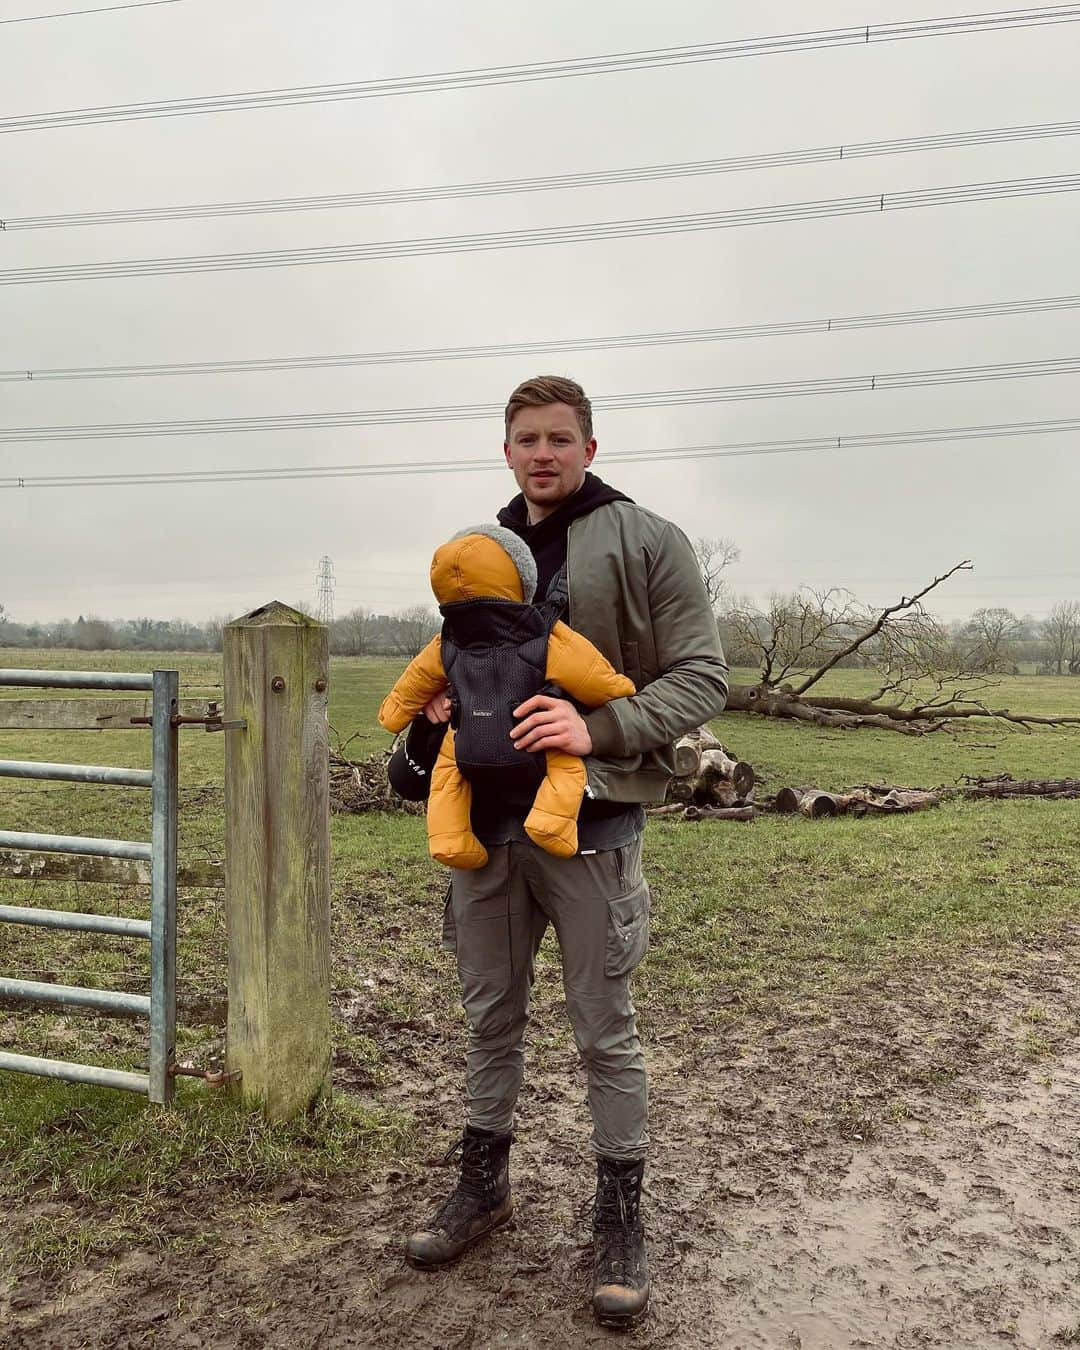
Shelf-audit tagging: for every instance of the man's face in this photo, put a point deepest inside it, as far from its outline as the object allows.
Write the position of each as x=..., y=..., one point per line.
x=548, y=455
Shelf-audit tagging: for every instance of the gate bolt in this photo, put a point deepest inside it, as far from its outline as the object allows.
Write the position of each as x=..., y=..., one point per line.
x=212, y=1077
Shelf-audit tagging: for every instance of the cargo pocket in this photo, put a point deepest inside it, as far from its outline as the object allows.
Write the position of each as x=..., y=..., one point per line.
x=628, y=931
x=449, y=927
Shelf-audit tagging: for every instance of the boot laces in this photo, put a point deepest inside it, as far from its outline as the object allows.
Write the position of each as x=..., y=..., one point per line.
x=617, y=1230
x=616, y=1205
x=478, y=1182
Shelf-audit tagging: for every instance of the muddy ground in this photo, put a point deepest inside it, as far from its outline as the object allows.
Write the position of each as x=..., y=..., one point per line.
x=897, y=1168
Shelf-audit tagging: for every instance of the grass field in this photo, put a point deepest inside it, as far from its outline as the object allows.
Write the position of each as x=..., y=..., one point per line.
x=746, y=919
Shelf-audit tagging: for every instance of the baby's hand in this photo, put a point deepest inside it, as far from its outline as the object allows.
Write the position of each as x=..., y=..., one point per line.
x=437, y=709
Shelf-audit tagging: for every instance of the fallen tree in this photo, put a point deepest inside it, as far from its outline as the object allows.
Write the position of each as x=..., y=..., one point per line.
x=1005, y=785
x=884, y=799
x=923, y=683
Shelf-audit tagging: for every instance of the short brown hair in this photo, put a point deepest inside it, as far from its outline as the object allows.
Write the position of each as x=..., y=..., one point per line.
x=543, y=389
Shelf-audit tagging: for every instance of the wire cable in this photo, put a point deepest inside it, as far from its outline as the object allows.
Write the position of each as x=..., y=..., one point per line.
x=865, y=204
x=548, y=183
x=729, y=450
x=464, y=412
x=101, y=9
x=738, y=333
x=609, y=63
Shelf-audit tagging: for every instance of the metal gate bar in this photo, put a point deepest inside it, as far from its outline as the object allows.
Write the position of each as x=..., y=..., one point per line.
x=108, y=1000
x=75, y=922
x=75, y=773
x=76, y=679
x=160, y=852
x=76, y=1073
x=74, y=843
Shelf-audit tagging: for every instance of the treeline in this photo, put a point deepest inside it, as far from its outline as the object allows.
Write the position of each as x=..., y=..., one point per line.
x=803, y=629
x=992, y=641
x=358, y=633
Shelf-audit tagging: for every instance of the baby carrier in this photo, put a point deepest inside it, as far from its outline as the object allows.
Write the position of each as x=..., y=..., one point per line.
x=496, y=651
x=495, y=656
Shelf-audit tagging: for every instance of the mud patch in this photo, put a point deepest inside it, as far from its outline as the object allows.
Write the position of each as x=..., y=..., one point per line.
x=894, y=1169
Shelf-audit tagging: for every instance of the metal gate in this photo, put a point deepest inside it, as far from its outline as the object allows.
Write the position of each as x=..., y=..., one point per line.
x=159, y=852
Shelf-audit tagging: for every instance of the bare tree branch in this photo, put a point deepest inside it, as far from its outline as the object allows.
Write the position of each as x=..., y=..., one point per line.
x=904, y=603
x=714, y=556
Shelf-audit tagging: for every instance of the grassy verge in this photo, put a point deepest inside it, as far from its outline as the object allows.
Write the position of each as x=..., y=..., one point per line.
x=105, y=1170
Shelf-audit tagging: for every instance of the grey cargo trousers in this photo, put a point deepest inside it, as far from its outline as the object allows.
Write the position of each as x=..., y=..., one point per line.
x=495, y=919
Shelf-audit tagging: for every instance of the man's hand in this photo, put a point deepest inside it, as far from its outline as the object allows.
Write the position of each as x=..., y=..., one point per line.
x=437, y=709
x=551, y=724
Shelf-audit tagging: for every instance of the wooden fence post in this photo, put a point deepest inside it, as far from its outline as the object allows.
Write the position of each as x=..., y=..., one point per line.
x=277, y=858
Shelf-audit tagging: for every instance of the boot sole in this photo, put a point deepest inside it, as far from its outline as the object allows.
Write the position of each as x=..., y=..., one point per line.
x=418, y=1263
x=619, y=1321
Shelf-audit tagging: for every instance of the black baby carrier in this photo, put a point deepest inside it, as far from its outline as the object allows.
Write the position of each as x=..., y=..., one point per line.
x=494, y=653
x=411, y=763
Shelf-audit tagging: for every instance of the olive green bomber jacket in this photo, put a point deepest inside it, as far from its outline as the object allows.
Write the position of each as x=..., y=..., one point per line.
x=636, y=592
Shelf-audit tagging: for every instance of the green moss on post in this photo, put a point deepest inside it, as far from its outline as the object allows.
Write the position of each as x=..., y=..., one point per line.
x=277, y=858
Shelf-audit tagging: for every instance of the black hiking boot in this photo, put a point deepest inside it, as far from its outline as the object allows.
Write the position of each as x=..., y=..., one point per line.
x=478, y=1204
x=621, y=1266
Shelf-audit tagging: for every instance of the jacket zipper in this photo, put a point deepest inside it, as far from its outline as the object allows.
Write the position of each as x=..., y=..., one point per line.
x=570, y=623
x=569, y=594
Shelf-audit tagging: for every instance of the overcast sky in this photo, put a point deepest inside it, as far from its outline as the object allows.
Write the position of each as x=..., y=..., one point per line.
x=877, y=521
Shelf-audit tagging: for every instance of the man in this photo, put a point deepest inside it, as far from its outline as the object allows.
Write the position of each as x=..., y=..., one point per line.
x=632, y=586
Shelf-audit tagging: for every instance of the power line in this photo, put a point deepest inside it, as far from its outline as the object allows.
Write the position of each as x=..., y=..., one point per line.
x=609, y=63
x=789, y=327
x=737, y=450
x=102, y=9
x=550, y=182
x=866, y=204
x=458, y=412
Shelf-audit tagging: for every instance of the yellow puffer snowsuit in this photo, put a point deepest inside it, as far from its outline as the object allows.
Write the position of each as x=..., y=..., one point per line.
x=469, y=567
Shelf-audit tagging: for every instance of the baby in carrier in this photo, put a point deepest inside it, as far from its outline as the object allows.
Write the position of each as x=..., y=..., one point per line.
x=496, y=650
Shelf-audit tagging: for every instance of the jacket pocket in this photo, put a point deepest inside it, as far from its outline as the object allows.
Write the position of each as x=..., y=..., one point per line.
x=631, y=663
x=628, y=931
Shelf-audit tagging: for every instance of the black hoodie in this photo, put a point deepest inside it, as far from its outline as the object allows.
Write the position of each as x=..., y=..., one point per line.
x=497, y=818
x=547, y=538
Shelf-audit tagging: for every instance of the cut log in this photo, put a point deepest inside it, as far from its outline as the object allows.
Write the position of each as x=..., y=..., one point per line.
x=687, y=757
x=864, y=801
x=710, y=788
x=789, y=801
x=719, y=813
x=708, y=774
x=815, y=804
x=806, y=801
x=688, y=751
x=718, y=766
